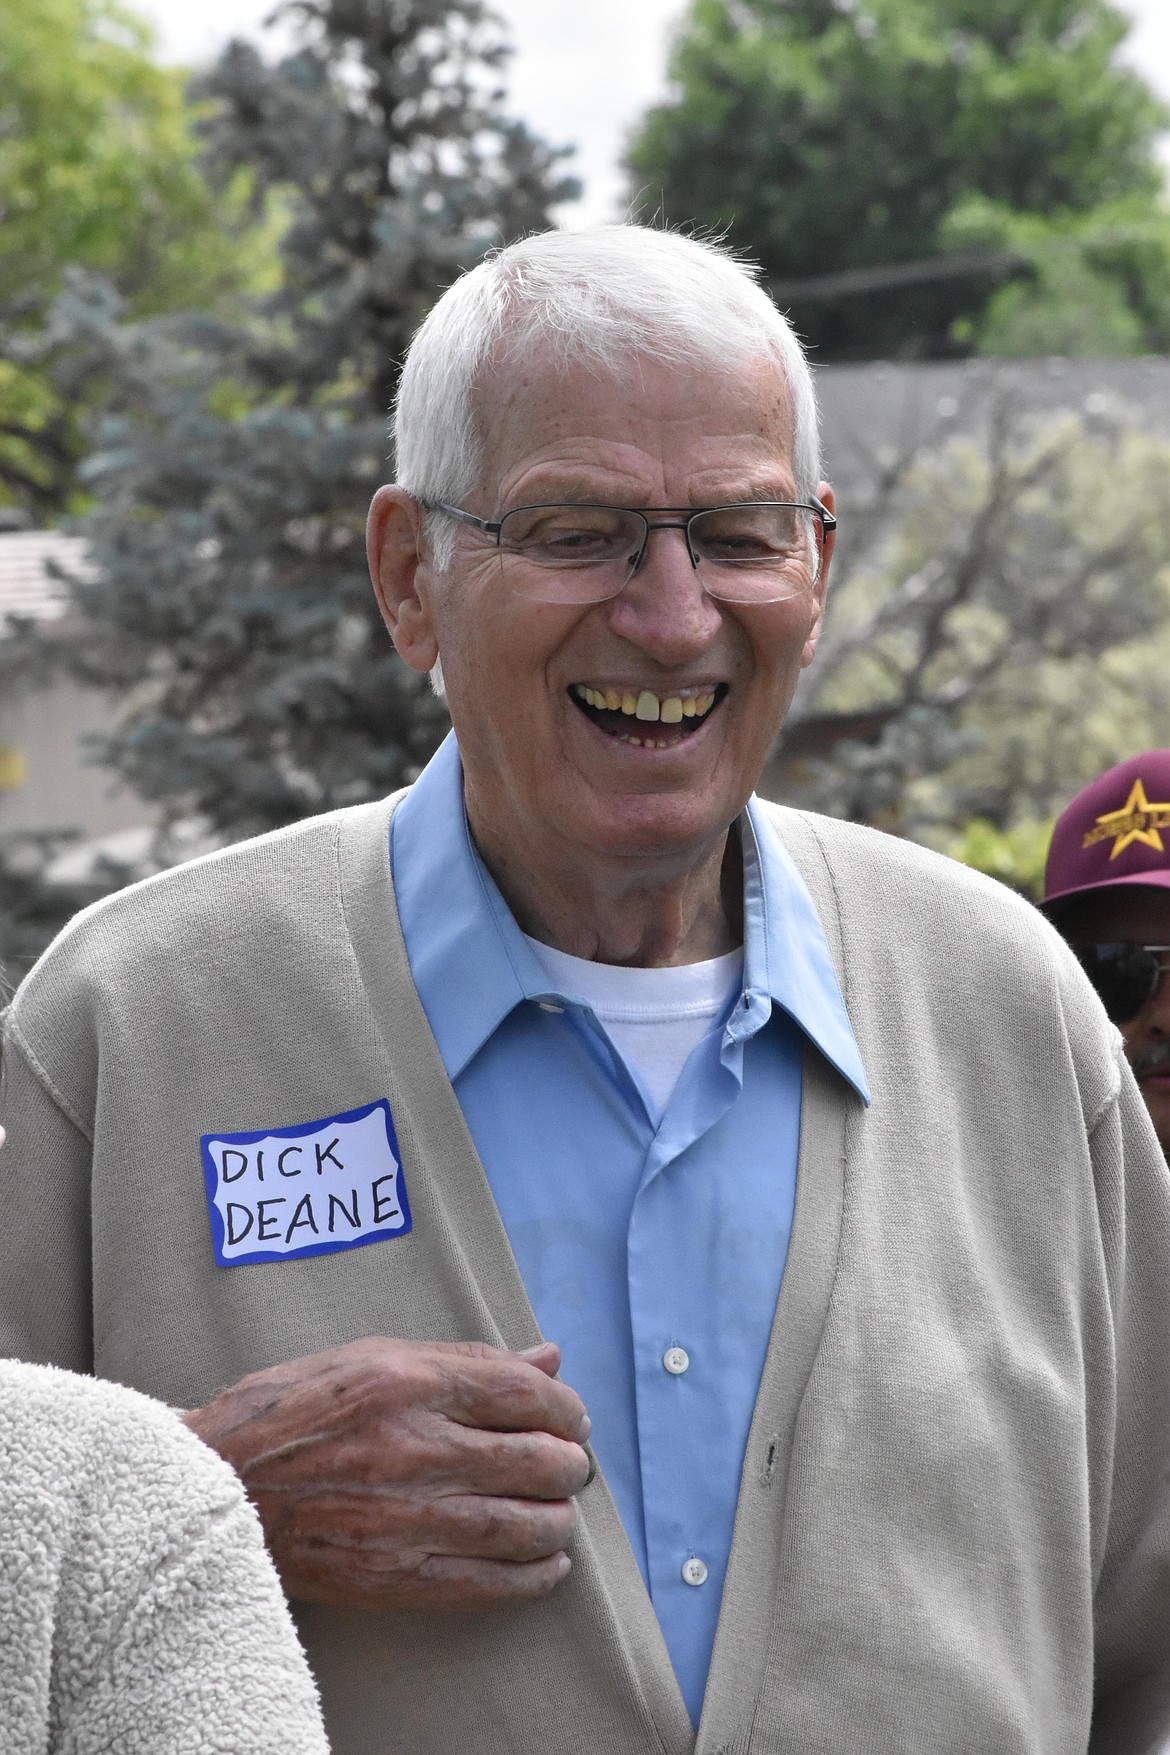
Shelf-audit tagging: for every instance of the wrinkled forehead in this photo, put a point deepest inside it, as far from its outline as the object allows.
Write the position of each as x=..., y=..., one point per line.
x=526, y=400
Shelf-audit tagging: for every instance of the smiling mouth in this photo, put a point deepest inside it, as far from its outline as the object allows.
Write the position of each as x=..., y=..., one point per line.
x=645, y=719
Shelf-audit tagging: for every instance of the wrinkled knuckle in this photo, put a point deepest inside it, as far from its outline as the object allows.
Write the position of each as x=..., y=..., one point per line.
x=571, y=1412
x=516, y=1463
x=545, y=1579
x=431, y=1569
x=545, y=1538
x=532, y=1452
x=523, y=1390
x=530, y=1545
x=491, y=1523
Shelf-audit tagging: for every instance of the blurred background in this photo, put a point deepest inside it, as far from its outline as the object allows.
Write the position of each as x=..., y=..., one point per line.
x=219, y=232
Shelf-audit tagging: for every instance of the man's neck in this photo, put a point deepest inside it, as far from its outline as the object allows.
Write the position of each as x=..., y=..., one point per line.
x=624, y=911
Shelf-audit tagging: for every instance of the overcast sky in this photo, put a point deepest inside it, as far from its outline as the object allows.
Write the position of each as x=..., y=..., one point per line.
x=583, y=70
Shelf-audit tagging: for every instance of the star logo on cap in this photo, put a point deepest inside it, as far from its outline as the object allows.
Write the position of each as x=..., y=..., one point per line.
x=1137, y=820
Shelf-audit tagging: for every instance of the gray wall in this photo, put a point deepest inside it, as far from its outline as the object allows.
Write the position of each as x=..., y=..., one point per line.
x=49, y=727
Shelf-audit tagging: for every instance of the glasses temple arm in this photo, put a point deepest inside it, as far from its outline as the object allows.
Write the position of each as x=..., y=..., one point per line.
x=484, y=524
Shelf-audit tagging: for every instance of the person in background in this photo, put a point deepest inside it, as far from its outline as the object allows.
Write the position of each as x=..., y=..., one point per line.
x=1107, y=891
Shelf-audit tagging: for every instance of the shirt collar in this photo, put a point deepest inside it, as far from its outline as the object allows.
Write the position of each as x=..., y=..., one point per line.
x=786, y=955
x=472, y=967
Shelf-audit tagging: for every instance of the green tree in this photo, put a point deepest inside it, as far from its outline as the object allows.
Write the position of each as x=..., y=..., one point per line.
x=999, y=635
x=98, y=171
x=1015, y=856
x=231, y=608
x=893, y=163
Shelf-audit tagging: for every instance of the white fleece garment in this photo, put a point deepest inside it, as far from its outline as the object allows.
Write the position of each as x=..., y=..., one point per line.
x=139, y=1611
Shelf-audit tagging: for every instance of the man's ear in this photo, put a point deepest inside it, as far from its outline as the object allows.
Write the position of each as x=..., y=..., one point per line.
x=828, y=499
x=403, y=577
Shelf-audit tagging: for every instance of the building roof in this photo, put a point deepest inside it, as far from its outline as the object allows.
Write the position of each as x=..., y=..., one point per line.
x=876, y=414
x=27, y=588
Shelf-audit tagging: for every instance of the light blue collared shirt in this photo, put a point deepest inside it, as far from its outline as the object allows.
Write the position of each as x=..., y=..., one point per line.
x=634, y=1240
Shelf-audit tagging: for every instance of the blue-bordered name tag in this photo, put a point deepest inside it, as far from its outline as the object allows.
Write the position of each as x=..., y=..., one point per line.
x=283, y=1192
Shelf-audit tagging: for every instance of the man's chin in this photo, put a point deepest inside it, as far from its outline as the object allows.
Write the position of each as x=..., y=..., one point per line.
x=657, y=835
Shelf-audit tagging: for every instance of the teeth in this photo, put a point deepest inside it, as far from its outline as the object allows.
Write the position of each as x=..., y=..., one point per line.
x=646, y=705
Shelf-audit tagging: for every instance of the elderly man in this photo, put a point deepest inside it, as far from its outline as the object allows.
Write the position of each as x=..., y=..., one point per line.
x=812, y=1154
x=1107, y=889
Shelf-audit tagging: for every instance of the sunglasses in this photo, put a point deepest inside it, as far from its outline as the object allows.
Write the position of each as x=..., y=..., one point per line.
x=1126, y=975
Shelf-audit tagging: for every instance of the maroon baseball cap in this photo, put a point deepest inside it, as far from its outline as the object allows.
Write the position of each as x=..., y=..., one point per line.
x=1115, y=831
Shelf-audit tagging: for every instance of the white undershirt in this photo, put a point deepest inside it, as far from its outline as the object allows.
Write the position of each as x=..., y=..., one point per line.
x=653, y=1017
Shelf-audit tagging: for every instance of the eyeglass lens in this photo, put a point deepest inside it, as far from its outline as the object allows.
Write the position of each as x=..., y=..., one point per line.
x=1125, y=975
x=584, y=554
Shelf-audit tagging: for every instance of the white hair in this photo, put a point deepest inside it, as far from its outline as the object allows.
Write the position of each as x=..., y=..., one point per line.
x=603, y=297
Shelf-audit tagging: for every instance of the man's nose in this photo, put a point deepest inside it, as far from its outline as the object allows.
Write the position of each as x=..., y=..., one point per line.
x=663, y=607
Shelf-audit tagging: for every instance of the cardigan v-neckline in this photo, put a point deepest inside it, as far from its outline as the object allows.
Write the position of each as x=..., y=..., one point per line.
x=484, y=1269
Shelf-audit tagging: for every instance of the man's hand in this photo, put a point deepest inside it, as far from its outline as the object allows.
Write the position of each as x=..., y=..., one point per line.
x=409, y=1474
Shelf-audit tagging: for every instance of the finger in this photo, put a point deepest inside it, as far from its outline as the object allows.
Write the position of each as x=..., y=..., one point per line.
x=401, y=1531
x=489, y=1584
x=519, y=1530
x=510, y=1394
x=439, y=1582
x=546, y=1357
x=454, y=1459
x=520, y=1465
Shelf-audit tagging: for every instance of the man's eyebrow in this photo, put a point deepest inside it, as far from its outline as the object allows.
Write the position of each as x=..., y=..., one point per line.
x=762, y=494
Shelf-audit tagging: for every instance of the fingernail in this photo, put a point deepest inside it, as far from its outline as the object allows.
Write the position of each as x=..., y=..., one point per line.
x=564, y=1566
x=584, y=1429
x=531, y=1352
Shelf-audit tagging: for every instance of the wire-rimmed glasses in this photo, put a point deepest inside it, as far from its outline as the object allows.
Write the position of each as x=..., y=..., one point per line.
x=754, y=551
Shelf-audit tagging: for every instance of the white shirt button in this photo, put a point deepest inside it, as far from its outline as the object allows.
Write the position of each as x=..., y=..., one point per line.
x=677, y=1360
x=694, y=1570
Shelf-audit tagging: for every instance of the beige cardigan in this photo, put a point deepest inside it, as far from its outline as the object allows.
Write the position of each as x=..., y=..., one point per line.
x=955, y=1491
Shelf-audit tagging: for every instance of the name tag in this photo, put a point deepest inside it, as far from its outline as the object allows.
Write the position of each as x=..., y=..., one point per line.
x=308, y=1190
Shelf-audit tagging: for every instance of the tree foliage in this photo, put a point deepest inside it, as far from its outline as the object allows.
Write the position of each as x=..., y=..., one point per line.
x=1001, y=632
x=32, y=911
x=235, y=461
x=97, y=172
x=893, y=163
